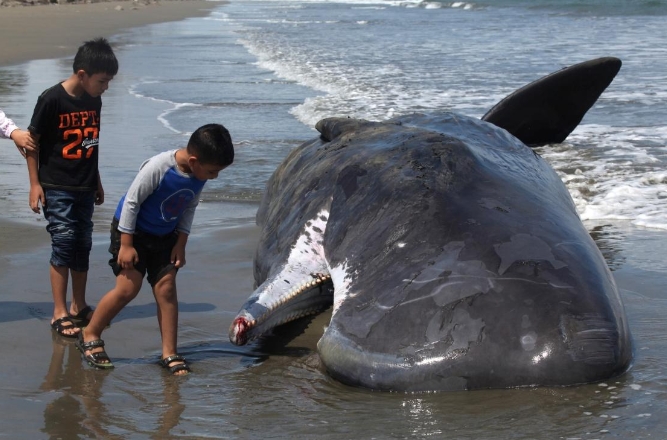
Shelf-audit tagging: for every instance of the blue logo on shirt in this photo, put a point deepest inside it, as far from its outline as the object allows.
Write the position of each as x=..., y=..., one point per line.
x=174, y=205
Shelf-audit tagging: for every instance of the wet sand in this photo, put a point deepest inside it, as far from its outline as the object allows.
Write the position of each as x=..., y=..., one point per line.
x=45, y=385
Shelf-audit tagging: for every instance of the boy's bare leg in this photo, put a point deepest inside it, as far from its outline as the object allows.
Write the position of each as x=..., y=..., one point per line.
x=59, y=277
x=128, y=284
x=79, y=280
x=167, y=315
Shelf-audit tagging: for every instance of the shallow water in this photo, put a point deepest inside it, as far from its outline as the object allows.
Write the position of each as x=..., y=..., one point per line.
x=277, y=389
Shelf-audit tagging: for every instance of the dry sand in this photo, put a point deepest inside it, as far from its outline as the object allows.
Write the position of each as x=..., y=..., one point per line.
x=54, y=31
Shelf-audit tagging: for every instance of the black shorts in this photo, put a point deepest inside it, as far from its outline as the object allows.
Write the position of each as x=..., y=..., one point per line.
x=154, y=253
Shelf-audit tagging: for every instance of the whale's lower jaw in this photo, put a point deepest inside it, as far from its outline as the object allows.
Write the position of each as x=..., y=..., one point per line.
x=255, y=320
x=464, y=369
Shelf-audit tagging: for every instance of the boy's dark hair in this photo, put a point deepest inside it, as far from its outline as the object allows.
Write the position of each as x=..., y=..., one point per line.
x=96, y=56
x=212, y=145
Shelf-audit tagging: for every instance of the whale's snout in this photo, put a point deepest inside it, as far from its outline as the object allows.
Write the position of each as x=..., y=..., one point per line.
x=238, y=331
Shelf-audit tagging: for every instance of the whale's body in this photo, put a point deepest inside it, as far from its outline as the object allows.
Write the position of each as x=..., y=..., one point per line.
x=452, y=253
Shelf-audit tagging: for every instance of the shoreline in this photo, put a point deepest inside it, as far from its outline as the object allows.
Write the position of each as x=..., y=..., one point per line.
x=49, y=31
x=55, y=30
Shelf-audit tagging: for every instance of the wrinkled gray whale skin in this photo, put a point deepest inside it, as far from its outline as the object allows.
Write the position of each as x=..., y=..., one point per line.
x=452, y=254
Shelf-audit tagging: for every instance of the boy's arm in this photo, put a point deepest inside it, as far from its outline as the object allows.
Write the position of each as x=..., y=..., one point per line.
x=99, y=194
x=25, y=142
x=6, y=126
x=183, y=230
x=143, y=185
x=185, y=222
x=178, y=251
x=23, y=139
x=36, y=195
x=127, y=254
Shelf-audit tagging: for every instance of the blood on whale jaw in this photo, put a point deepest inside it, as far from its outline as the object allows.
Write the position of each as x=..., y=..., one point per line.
x=299, y=287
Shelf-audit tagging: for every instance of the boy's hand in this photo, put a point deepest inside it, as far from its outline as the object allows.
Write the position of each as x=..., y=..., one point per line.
x=36, y=197
x=24, y=141
x=99, y=195
x=178, y=256
x=127, y=257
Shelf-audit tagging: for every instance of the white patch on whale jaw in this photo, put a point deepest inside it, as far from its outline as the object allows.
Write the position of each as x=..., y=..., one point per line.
x=341, y=281
x=306, y=266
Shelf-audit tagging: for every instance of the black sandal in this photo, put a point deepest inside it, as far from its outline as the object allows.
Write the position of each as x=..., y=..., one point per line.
x=81, y=318
x=59, y=328
x=93, y=359
x=166, y=362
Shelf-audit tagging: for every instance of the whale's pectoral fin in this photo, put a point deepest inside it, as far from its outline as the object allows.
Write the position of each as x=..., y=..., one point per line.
x=549, y=109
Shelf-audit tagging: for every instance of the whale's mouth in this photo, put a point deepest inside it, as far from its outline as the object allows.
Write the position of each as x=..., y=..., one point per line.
x=256, y=318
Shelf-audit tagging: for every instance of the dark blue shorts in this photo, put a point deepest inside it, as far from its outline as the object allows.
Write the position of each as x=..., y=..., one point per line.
x=154, y=253
x=70, y=217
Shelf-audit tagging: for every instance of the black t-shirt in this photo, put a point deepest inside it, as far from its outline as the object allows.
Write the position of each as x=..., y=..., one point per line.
x=69, y=129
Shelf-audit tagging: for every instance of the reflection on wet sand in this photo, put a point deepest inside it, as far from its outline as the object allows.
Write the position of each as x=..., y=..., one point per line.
x=173, y=407
x=79, y=411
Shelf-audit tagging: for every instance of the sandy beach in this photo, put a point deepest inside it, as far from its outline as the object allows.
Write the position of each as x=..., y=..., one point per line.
x=56, y=30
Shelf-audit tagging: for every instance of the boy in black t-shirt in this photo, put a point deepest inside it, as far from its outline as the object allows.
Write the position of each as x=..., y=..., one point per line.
x=64, y=175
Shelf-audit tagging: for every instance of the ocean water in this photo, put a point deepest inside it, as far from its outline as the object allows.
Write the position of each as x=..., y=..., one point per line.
x=268, y=71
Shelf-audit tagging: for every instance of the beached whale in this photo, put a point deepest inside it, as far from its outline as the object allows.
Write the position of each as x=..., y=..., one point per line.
x=451, y=252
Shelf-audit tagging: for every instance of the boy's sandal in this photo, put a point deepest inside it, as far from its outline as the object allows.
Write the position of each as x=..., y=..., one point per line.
x=59, y=327
x=81, y=319
x=98, y=359
x=173, y=369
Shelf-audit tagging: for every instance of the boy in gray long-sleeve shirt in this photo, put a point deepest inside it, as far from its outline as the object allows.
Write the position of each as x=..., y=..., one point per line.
x=149, y=233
